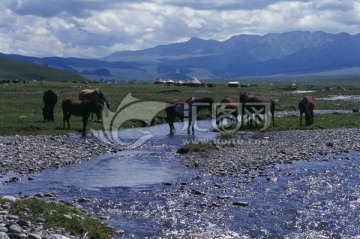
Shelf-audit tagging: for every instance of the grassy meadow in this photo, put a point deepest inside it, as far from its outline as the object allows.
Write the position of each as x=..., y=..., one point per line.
x=20, y=104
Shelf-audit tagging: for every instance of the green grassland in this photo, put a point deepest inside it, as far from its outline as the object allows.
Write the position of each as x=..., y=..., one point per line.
x=20, y=104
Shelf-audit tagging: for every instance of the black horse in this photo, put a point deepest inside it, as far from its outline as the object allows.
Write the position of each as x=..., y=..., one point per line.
x=49, y=99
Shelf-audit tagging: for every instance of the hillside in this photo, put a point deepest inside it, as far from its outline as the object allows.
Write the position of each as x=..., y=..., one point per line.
x=25, y=71
x=286, y=54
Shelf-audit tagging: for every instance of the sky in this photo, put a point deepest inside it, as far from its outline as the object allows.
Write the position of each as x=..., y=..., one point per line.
x=98, y=28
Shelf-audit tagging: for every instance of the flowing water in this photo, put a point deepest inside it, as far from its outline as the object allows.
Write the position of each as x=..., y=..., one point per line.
x=146, y=192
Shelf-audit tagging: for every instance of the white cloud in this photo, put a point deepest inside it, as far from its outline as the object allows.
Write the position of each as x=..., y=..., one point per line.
x=96, y=28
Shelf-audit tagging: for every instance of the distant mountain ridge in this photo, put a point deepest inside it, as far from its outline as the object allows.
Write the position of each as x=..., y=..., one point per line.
x=298, y=52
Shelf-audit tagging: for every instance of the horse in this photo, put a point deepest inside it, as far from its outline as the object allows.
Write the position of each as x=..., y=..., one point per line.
x=177, y=109
x=81, y=108
x=245, y=99
x=95, y=95
x=227, y=110
x=50, y=100
x=306, y=105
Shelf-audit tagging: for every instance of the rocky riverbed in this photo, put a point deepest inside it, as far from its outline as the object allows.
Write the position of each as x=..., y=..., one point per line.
x=31, y=154
x=263, y=149
x=252, y=153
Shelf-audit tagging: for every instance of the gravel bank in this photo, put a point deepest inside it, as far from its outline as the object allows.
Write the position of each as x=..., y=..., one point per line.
x=264, y=149
x=31, y=154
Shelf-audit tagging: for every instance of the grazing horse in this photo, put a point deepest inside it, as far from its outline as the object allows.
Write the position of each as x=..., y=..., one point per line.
x=96, y=96
x=81, y=108
x=49, y=99
x=306, y=105
x=245, y=99
x=177, y=109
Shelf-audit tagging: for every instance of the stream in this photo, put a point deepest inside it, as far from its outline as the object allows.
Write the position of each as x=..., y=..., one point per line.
x=146, y=192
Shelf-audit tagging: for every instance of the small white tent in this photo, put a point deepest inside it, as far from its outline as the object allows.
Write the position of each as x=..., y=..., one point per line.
x=193, y=82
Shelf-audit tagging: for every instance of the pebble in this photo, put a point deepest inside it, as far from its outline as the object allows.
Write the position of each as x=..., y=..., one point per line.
x=241, y=204
x=3, y=235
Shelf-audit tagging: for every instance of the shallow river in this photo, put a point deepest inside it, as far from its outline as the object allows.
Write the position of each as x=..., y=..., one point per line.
x=147, y=193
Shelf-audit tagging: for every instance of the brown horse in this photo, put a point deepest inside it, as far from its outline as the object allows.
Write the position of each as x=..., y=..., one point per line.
x=50, y=100
x=79, y=108
x=245, y=99
x=306, y=105
x=95, y=95
x=184, y=109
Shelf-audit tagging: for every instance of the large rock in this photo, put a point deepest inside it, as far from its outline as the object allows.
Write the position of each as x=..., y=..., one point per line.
x=9, y=198
x=3, y=235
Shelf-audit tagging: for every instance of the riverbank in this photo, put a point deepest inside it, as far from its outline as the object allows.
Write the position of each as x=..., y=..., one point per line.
x=257, y=150
x=32, y=154
x=262, y=149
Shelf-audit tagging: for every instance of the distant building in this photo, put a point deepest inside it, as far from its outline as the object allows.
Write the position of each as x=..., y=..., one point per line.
x=163, y=82
x=159, y=81
x=233, y=84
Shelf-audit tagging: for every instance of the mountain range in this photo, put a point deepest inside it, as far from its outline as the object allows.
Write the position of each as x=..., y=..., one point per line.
x=290, y=53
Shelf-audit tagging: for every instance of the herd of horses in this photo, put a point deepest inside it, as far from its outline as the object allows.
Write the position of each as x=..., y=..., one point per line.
x=92, y=101
x=89, y=102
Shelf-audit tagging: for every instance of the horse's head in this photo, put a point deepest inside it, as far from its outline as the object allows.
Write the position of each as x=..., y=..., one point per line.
x=243, y=97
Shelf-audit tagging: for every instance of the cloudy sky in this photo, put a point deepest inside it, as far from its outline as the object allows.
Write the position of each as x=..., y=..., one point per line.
x=97, y=28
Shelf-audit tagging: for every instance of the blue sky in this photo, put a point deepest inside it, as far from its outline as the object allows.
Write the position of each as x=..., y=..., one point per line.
x=97, y=28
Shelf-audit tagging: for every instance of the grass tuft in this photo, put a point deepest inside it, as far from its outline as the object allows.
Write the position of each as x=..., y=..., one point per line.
x=54, y=215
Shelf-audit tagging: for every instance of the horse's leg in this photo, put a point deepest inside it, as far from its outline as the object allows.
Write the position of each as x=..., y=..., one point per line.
x=64, y=119
x=189, y=125
x=301, y=116
x=68, y=119
x=98, y=115
x=170, y=121
x=170, y=126
x=85, y=120
x=52, y=113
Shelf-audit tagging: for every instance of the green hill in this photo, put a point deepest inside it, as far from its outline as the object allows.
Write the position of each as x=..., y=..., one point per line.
x=25, y=71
